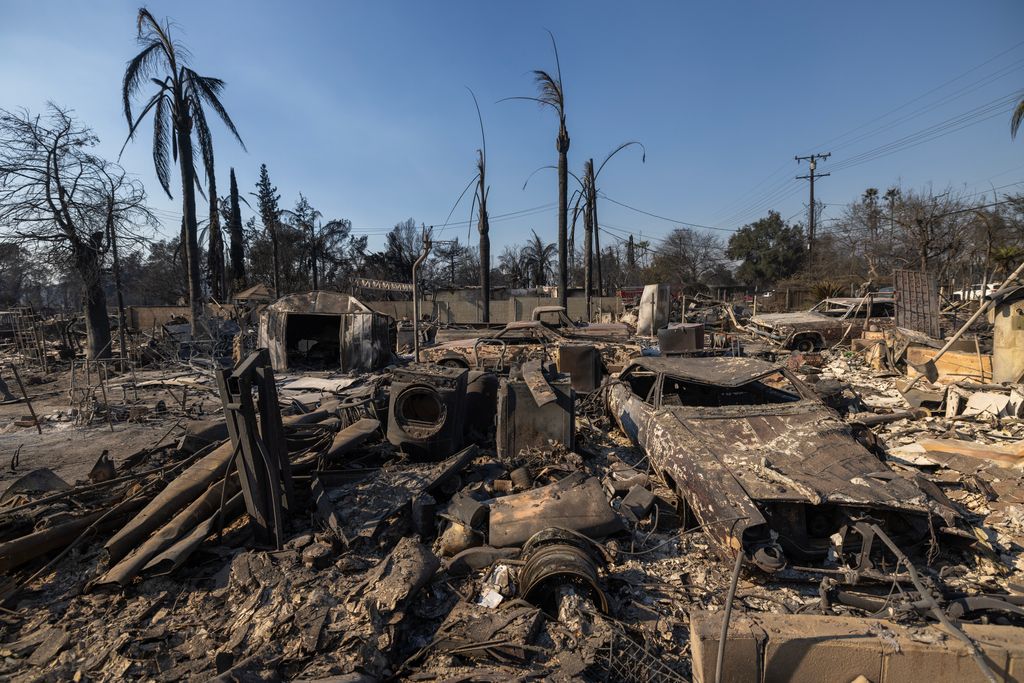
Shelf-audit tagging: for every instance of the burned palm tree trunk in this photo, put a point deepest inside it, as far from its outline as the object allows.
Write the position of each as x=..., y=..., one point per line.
x=235, y=235
x=215, y=255
x=485, y=247
x=188, y=215
x=562, y=144
x=597, y=240
x=588, y=233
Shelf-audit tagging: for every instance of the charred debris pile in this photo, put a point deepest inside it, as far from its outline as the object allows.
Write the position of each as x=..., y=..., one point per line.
x=714, y=500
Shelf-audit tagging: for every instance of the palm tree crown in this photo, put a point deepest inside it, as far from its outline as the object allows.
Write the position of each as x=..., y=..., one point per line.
x=178, y=103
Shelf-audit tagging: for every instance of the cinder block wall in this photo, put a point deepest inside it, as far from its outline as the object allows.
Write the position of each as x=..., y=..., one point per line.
x=502, y=311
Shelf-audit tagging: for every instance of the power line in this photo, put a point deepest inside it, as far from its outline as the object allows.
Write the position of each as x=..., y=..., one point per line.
x=665, y=218
x=779, y=190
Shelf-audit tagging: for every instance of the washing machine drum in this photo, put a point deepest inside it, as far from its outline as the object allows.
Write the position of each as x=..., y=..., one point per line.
x=426, y=411
x=420, y=412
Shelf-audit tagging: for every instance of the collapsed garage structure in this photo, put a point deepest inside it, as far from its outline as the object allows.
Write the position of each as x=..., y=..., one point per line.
x=325, y=331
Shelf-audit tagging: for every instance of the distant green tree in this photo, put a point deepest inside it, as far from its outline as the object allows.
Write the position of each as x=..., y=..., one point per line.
x=233, y=218
x=331, y=252
x=769, y=249
x=537, y=257
x=402, y=247
x=267, y=199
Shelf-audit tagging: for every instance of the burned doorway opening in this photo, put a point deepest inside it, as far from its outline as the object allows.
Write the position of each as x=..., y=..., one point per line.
x=313, y=341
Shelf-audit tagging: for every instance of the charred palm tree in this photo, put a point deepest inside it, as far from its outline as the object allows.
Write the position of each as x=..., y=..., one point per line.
x=552, y=94
x=594, y=193
x=178, y=110
x=482, y=222
x=585, y=205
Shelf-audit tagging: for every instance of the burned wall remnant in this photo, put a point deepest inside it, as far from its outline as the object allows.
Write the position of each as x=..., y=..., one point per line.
x=324, y=331
x=1008, y=338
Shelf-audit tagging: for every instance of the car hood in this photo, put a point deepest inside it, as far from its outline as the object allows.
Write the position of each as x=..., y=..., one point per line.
x=796, y=452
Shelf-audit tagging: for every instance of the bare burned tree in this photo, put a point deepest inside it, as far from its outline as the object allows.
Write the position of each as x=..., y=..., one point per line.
x=64, y=203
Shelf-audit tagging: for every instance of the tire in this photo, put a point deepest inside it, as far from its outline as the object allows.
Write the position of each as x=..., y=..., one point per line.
x=453, y=363
x=804, y=345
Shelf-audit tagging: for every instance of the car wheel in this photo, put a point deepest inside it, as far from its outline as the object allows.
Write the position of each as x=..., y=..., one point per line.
x=805, y=345
x=453, y=363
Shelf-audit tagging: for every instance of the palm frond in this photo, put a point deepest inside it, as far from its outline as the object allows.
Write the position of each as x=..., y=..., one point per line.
x=139, y=68
x=202, y=128
x=1017, y=119
x=469, y=226
x=149, y=29
x=457, y=201
x=480, y=119
x=133, y=126
x=208, y=89
x=624, y=145
x=161, y=144
x=549, y=90
x=558, y=62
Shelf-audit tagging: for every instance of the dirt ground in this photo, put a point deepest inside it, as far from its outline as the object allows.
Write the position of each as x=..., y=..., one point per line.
x=70, y=446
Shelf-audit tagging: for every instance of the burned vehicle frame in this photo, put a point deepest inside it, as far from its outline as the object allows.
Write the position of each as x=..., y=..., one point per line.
x=518, y=342
x=824, y=324
x=765, y=467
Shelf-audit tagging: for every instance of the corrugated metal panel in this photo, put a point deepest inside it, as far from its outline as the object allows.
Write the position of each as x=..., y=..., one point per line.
x=917, y=302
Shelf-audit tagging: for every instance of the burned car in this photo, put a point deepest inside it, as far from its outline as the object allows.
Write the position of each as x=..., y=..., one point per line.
x=556, y=318
x=761, y=463
x=823, y=325
x=518, y=342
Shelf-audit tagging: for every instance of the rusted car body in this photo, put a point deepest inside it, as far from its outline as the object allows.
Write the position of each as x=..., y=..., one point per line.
x=518, y=342
x=556, y=317
x=760, y=462
x=825, y=324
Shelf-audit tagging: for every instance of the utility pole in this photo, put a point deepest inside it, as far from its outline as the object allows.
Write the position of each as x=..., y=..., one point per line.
x=813, y=163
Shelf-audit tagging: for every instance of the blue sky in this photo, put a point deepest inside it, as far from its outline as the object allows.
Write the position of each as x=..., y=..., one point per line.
x=363, y=107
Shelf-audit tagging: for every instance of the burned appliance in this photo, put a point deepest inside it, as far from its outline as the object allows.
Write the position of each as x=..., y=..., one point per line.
x=681, y=338
x=525, y=423
x=583, y=364
x=427, y=410
x=481, y=405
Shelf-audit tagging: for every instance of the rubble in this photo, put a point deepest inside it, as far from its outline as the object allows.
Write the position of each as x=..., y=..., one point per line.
x=532, y=524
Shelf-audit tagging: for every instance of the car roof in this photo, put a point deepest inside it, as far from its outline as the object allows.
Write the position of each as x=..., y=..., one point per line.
x=524, y=324
x=854, y=300
x=716, y=370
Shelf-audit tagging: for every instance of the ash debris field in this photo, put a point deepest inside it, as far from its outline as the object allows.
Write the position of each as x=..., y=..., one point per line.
x=580, y=508
x=637, y=409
